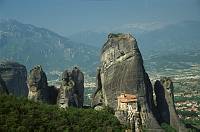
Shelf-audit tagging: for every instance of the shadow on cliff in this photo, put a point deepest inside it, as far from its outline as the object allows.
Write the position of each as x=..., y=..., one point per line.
x=162, y=108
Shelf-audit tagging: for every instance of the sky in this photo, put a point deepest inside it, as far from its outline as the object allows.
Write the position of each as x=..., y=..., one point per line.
x=68, y=17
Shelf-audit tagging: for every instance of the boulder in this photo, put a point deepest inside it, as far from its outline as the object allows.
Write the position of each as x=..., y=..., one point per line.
x=15, y=77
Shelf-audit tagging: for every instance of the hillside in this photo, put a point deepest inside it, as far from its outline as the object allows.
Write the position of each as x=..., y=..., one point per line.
x=32, y=45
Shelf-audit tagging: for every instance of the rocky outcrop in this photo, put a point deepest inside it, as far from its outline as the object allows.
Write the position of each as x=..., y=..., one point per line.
x=65, y=94
x=123, y=85
x=121, y=73
x=3, y=88
x=166, y=111
x=98, y=95
x=38, y=87
x=78, y=78
x=14, y=75
x=162, y=106
x=71, y=92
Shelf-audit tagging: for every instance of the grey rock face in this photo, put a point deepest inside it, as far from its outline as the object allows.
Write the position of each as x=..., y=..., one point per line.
x=65, y=94
x=162, y=105
x=166, y=111
x=98, y=95
x=71, y=92
x=78, y=78
x=15, y=76
x=3, y=88
x=38, y=87
x=121, y=68
x=37, y=82
x=122, y=71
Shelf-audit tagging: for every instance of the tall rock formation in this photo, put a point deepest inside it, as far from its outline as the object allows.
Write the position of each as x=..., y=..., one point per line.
x=38, y=87
x=71, y=92
x=3, y=88
x=123, y=85
x=78, y=78
x=66, y=92
x=123, y=82
x=15, y=76
x=166, y=111
x=98, y=95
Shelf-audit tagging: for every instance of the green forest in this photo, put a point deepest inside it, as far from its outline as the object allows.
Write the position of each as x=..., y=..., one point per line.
x=21, y=115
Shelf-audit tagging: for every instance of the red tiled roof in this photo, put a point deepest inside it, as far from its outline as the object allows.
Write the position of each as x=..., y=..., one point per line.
x=125, y=98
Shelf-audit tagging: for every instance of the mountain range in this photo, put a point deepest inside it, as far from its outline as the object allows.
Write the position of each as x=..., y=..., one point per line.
x=170, y=46
x=167, y=46
x=32, y=45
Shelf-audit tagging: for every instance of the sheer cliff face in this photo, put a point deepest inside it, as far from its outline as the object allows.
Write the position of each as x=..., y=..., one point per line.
x=121, y=69
x=121, y=74
x=14, y=75
x=166, y=112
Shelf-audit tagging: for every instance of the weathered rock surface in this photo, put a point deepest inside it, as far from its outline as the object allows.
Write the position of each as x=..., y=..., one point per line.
x=78, y=78
x=3, y=88
x=122, y=72
x=14, y=75
x=98, y=95
x=166, y=111
x=71, y=92
x=65, y=94
x=123, y=85
x=38, y=87
x=162, y=105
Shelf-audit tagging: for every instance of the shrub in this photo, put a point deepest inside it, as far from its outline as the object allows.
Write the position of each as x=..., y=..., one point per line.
x=168, y=128
x=20, y=114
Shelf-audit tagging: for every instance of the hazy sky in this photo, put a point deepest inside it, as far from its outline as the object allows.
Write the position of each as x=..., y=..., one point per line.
x=70, y=16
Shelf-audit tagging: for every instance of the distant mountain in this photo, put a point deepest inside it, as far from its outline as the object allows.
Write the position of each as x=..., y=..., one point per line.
x=98, y=38
x=171, y=46
x=163, y=46
x=175, y=38
x=32, y=45
x=174, y=46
